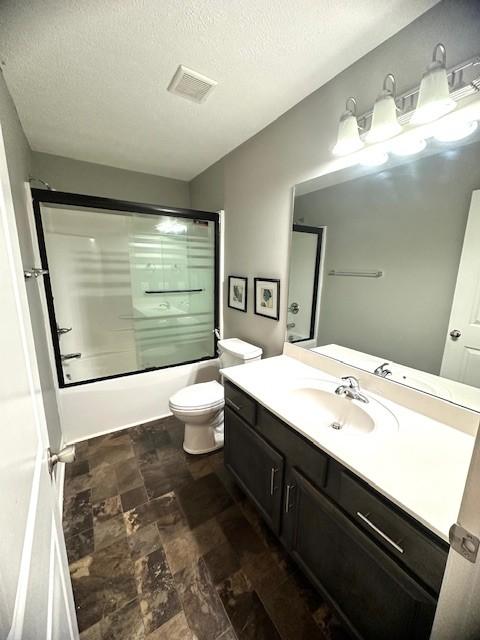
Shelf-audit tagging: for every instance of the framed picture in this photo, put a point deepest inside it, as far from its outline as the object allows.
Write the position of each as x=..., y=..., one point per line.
x=267, y=297
x=237, y=293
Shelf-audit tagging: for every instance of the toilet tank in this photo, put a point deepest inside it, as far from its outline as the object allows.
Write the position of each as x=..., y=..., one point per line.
x=233, y=351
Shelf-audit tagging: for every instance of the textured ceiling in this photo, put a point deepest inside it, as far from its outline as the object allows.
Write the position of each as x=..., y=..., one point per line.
x=89, y=77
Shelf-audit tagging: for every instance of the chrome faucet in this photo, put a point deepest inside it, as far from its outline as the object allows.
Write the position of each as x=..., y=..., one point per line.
x=351, y=390
x=382, y=371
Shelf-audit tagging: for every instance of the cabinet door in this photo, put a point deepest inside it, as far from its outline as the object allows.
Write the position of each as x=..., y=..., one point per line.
x=376, y=597
x=256, y=466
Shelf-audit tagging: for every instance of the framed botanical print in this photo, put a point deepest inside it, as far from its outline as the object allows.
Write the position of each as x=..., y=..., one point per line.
x=267, y=297
x=237, y=292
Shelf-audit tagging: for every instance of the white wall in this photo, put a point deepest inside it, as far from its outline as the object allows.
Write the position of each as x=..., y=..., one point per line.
x=257, y=177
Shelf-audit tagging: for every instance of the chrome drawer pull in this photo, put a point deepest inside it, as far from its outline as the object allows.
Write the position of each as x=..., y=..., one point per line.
x=380, y=532
x=273, y=471
x=288, y=506
x=232, y=404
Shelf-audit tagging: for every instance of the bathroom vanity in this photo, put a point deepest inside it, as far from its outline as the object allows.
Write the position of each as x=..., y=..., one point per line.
x=362, y=507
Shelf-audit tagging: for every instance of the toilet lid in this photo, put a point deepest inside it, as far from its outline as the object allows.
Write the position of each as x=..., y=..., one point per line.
x=204, y=394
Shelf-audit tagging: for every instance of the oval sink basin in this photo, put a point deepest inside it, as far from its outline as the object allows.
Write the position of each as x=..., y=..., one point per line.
x=315, y=404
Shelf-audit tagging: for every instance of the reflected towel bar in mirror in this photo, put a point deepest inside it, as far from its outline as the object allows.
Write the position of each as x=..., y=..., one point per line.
x=357, y=274
x=174, y=291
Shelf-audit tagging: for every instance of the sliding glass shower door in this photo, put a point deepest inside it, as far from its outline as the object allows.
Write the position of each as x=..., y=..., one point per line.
x=127, y=290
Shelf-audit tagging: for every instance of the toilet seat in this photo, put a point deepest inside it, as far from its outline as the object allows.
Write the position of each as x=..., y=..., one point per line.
x=197, y=397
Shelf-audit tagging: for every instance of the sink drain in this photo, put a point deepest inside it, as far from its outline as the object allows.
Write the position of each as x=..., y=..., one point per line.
x=336, y=425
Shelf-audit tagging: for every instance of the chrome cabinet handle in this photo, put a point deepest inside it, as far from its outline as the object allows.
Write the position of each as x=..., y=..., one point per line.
x=380, y=532
x=232, y=404
x=273, y=471
x=288, y=506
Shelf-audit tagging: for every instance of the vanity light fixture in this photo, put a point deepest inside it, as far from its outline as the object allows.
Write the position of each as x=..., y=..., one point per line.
x=373, y=157
x=384, y=120
x=450, y=129
x=348, y=139
x=434, y=99
x=407, y=145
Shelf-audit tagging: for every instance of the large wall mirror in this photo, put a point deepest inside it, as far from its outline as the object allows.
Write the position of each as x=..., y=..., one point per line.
x=397, y=275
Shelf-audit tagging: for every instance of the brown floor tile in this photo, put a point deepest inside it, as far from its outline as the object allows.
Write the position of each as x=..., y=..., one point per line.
x=175, y=629
x=124, y=624
x=245, y=609
x=102, y=582
x=156, y=588
x=162, y=510
x=106, y=532
x=133, y=498
x=77, y=515
x=221, y=562
x=203, y=609
x=92, y=633
x=144, y=541
x=128, y=475
x=290, y=613
x=79, y=545
x=203, y=499
x=106, y=509
x=187, y=564
x=77, y=468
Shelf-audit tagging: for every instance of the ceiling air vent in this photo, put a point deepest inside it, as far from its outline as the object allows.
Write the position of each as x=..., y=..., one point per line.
x=191, y=85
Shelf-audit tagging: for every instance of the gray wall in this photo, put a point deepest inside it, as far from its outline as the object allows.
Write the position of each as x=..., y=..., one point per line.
x=259, y=175
x=18, y=161
x=408, y=221
x=76, y=176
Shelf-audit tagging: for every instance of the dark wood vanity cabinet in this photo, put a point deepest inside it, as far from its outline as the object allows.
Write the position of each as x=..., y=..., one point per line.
x=256, y=466
x=380, y=571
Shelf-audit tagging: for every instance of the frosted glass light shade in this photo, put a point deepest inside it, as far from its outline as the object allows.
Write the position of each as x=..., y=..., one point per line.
x=434, y=98
x=348, y=139
x=407, y=145
x=449, y=130
x=384, y=120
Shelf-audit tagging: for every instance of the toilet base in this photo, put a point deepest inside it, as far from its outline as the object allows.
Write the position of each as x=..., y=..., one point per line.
x=200, y=439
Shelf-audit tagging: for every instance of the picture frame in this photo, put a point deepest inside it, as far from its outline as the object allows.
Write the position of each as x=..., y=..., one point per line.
x=238, y=293
x=267, y=297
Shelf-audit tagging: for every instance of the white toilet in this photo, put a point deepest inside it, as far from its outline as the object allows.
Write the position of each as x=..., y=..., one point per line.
x=200, y=406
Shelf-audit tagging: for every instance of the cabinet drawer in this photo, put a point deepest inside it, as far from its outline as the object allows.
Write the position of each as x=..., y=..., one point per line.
x=410, y=545
x=241, y=403
x=298, y=452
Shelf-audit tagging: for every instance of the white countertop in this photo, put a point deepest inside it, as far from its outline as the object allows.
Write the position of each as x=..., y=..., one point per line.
x=421, y=467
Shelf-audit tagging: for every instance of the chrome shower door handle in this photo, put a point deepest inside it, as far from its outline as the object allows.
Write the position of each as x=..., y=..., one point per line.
x=70, y=356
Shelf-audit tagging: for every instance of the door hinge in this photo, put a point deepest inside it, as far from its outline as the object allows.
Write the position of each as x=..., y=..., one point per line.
x=464, y=542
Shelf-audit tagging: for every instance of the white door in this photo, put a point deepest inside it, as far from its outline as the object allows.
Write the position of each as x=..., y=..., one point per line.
x=461, y=357
x=36, y=599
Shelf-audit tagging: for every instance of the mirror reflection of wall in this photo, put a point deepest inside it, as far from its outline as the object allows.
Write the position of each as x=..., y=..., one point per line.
x=408, y=222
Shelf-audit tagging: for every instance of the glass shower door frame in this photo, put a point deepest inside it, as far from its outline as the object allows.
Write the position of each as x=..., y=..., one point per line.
x=43, y=196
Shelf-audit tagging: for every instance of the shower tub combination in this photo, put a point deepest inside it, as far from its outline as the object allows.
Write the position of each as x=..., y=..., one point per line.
x=131, y=290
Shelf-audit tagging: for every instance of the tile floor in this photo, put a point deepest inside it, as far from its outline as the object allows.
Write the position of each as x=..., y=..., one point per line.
x=164, y=546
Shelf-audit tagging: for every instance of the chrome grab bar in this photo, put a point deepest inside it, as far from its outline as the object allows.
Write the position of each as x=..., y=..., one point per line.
x=70, y=356
x=380, y=532
x=174, y=290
